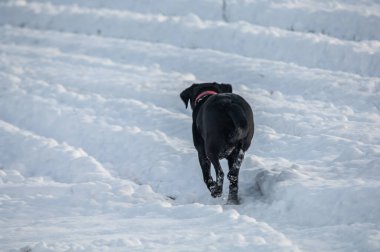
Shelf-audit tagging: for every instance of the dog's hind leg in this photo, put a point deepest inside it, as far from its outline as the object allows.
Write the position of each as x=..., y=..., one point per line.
x=234, y=163
x=206, y=165
x=217, y=190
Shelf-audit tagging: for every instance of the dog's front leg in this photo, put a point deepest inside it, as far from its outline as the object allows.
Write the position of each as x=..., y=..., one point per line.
x=217, y=190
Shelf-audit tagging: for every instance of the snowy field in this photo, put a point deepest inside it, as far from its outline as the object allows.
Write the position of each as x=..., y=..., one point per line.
x=96, y=150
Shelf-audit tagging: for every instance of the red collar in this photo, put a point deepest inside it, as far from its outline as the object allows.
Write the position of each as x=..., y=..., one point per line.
x=203, y=94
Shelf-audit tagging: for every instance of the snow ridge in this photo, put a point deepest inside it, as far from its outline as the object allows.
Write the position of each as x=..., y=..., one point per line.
x=239, y=37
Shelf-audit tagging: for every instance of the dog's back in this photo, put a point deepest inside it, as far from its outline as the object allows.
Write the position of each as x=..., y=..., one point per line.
x=225, y=121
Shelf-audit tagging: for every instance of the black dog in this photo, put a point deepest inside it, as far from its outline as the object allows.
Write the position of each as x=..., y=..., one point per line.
x=222, y=128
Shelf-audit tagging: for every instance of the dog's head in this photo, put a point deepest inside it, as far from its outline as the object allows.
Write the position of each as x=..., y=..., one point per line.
x=194, y=90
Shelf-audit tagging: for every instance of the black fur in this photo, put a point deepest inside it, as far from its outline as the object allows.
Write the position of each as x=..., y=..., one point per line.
x=222, y=128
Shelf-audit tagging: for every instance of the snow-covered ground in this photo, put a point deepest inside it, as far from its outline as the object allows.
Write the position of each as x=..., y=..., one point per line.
x=96, y=149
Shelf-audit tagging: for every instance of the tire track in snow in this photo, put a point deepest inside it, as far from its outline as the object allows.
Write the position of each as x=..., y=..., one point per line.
x=103, y=197
x=41, y=154
x=261, y=96
x=122, y=110
x=238, y=38
x=131, y=149
x=128, y=231
x=357, y=20
x=274, y=77
x=289, y=130
x=292, y=125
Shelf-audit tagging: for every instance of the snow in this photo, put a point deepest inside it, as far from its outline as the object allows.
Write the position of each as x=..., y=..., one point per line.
x=239, y=38
x=96, y=150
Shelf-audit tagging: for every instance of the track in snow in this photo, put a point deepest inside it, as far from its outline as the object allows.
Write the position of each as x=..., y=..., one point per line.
x=190, y=31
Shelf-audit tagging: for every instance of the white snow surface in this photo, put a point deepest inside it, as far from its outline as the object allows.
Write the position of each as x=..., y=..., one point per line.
x=96, y=150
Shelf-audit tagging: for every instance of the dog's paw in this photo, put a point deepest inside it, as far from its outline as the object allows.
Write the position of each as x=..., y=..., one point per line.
x=216, y=191
x=233, y=199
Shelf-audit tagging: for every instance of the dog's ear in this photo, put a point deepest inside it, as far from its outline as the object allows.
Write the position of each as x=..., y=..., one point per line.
x=185, y=95
x=226, y=88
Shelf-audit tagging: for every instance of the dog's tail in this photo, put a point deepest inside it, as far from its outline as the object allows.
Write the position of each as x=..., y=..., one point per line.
x=238, y=117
